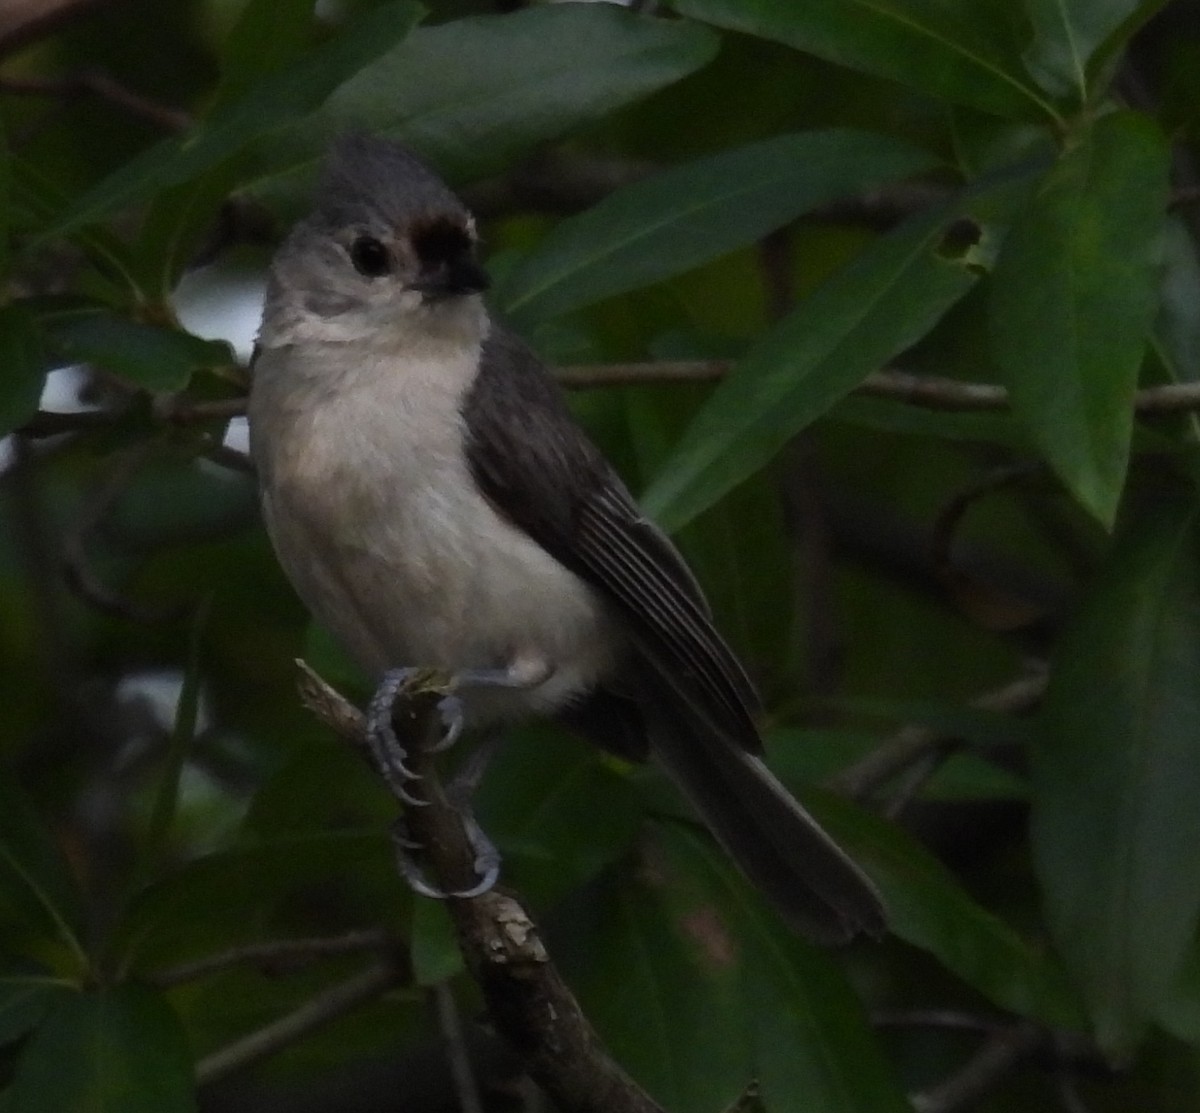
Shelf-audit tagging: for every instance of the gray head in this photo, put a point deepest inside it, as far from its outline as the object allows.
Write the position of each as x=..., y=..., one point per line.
x=388, y=250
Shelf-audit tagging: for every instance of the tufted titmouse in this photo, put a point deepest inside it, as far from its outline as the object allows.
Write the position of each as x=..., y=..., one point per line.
x=435, y=504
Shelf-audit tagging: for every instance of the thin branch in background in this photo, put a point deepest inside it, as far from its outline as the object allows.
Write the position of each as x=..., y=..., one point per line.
x=584, y=376
x=775, y=263
x=23, y=21
x=1068, y=1093
x=51, y=423
x=229, y=458
x=316, y=1012
x=528, y=1002
x=80, y=575
x=951, y=1020
x=998, y=1056
x=748, y=1101
x=94, y=83
x=275, y=954
x=1188, y=195
x=932, y=392
x=179, y=410
x=910, y=782
x=913, y=743
x=926, y=391
x=450, y=1025
x=993, y=608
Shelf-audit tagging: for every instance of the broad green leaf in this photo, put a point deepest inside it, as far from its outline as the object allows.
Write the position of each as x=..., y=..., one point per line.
x=268, y=36
x=27, y=992
x=928, y=908
x=118, y=1050
x=272, y=103
x=154, y=358
x=23, y=366
x=37, y=890
x=213, y=897
x=655, y=950
x=471, y=93
x=1072, y=300
x=685, y=216
x=884, y=300
x=1066, y=34
x=950, y=51
x=1116, y=775
x=434, y=950
x=812, y=1045
x=558, y=811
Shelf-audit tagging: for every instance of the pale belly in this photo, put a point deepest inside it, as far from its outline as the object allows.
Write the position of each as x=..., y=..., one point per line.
x=426, y=574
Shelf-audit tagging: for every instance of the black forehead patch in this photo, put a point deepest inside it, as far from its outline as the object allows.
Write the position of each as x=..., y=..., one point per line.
x=440, y=240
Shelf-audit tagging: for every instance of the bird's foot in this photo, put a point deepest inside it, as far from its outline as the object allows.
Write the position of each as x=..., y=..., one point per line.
x=486, y=863
x=388, y=752
x=392, y=760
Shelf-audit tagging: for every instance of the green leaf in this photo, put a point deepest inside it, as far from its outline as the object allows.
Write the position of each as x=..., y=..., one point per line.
x=27, y=992
x=272, y=103
x=180, y=915
x=1066, y=35
x=721, y=992
x=928, y=908
x=959, y=55
x=160, y=360
x=812, y=1045
x=1072, y=299
x=434, y=949
x=23, y=366
x=471, y=93
x=558, y=810
x=671, y=963
x=37, y=889
x=118, y=1050
x=269, y=35
x=886, y=299
x=679, y=219
x=1116, y=776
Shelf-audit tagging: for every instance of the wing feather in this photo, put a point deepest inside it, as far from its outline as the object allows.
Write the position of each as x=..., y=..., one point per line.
x=540, y=471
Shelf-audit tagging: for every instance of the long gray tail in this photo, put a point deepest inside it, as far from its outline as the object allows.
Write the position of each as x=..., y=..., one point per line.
x=780, y=848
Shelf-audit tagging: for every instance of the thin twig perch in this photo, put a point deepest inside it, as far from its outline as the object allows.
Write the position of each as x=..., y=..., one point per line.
x=528, y=1002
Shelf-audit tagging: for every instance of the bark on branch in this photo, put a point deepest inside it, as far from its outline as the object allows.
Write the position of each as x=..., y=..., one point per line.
x=528, y=1002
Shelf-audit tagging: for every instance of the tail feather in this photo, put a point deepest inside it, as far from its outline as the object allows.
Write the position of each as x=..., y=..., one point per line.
x=780, y=848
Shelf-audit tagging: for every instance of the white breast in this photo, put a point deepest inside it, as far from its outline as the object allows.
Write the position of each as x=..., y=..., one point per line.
x=376, y=520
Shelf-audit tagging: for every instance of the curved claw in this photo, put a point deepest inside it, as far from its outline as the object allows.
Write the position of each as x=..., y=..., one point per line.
x=486, y=864
x=490, y=877
x=450, y=710
x=390, y=756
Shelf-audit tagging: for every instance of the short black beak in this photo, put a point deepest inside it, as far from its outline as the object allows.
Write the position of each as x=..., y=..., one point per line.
x=462, y=275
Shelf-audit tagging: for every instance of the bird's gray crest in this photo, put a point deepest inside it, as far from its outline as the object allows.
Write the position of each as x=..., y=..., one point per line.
x=368, y=179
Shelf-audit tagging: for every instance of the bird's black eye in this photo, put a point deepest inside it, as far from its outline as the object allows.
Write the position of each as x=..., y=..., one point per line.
x=370, y=257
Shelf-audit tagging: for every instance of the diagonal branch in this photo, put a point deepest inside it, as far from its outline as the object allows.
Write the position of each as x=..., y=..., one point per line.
x=527, y=1000
x=314, y=1013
